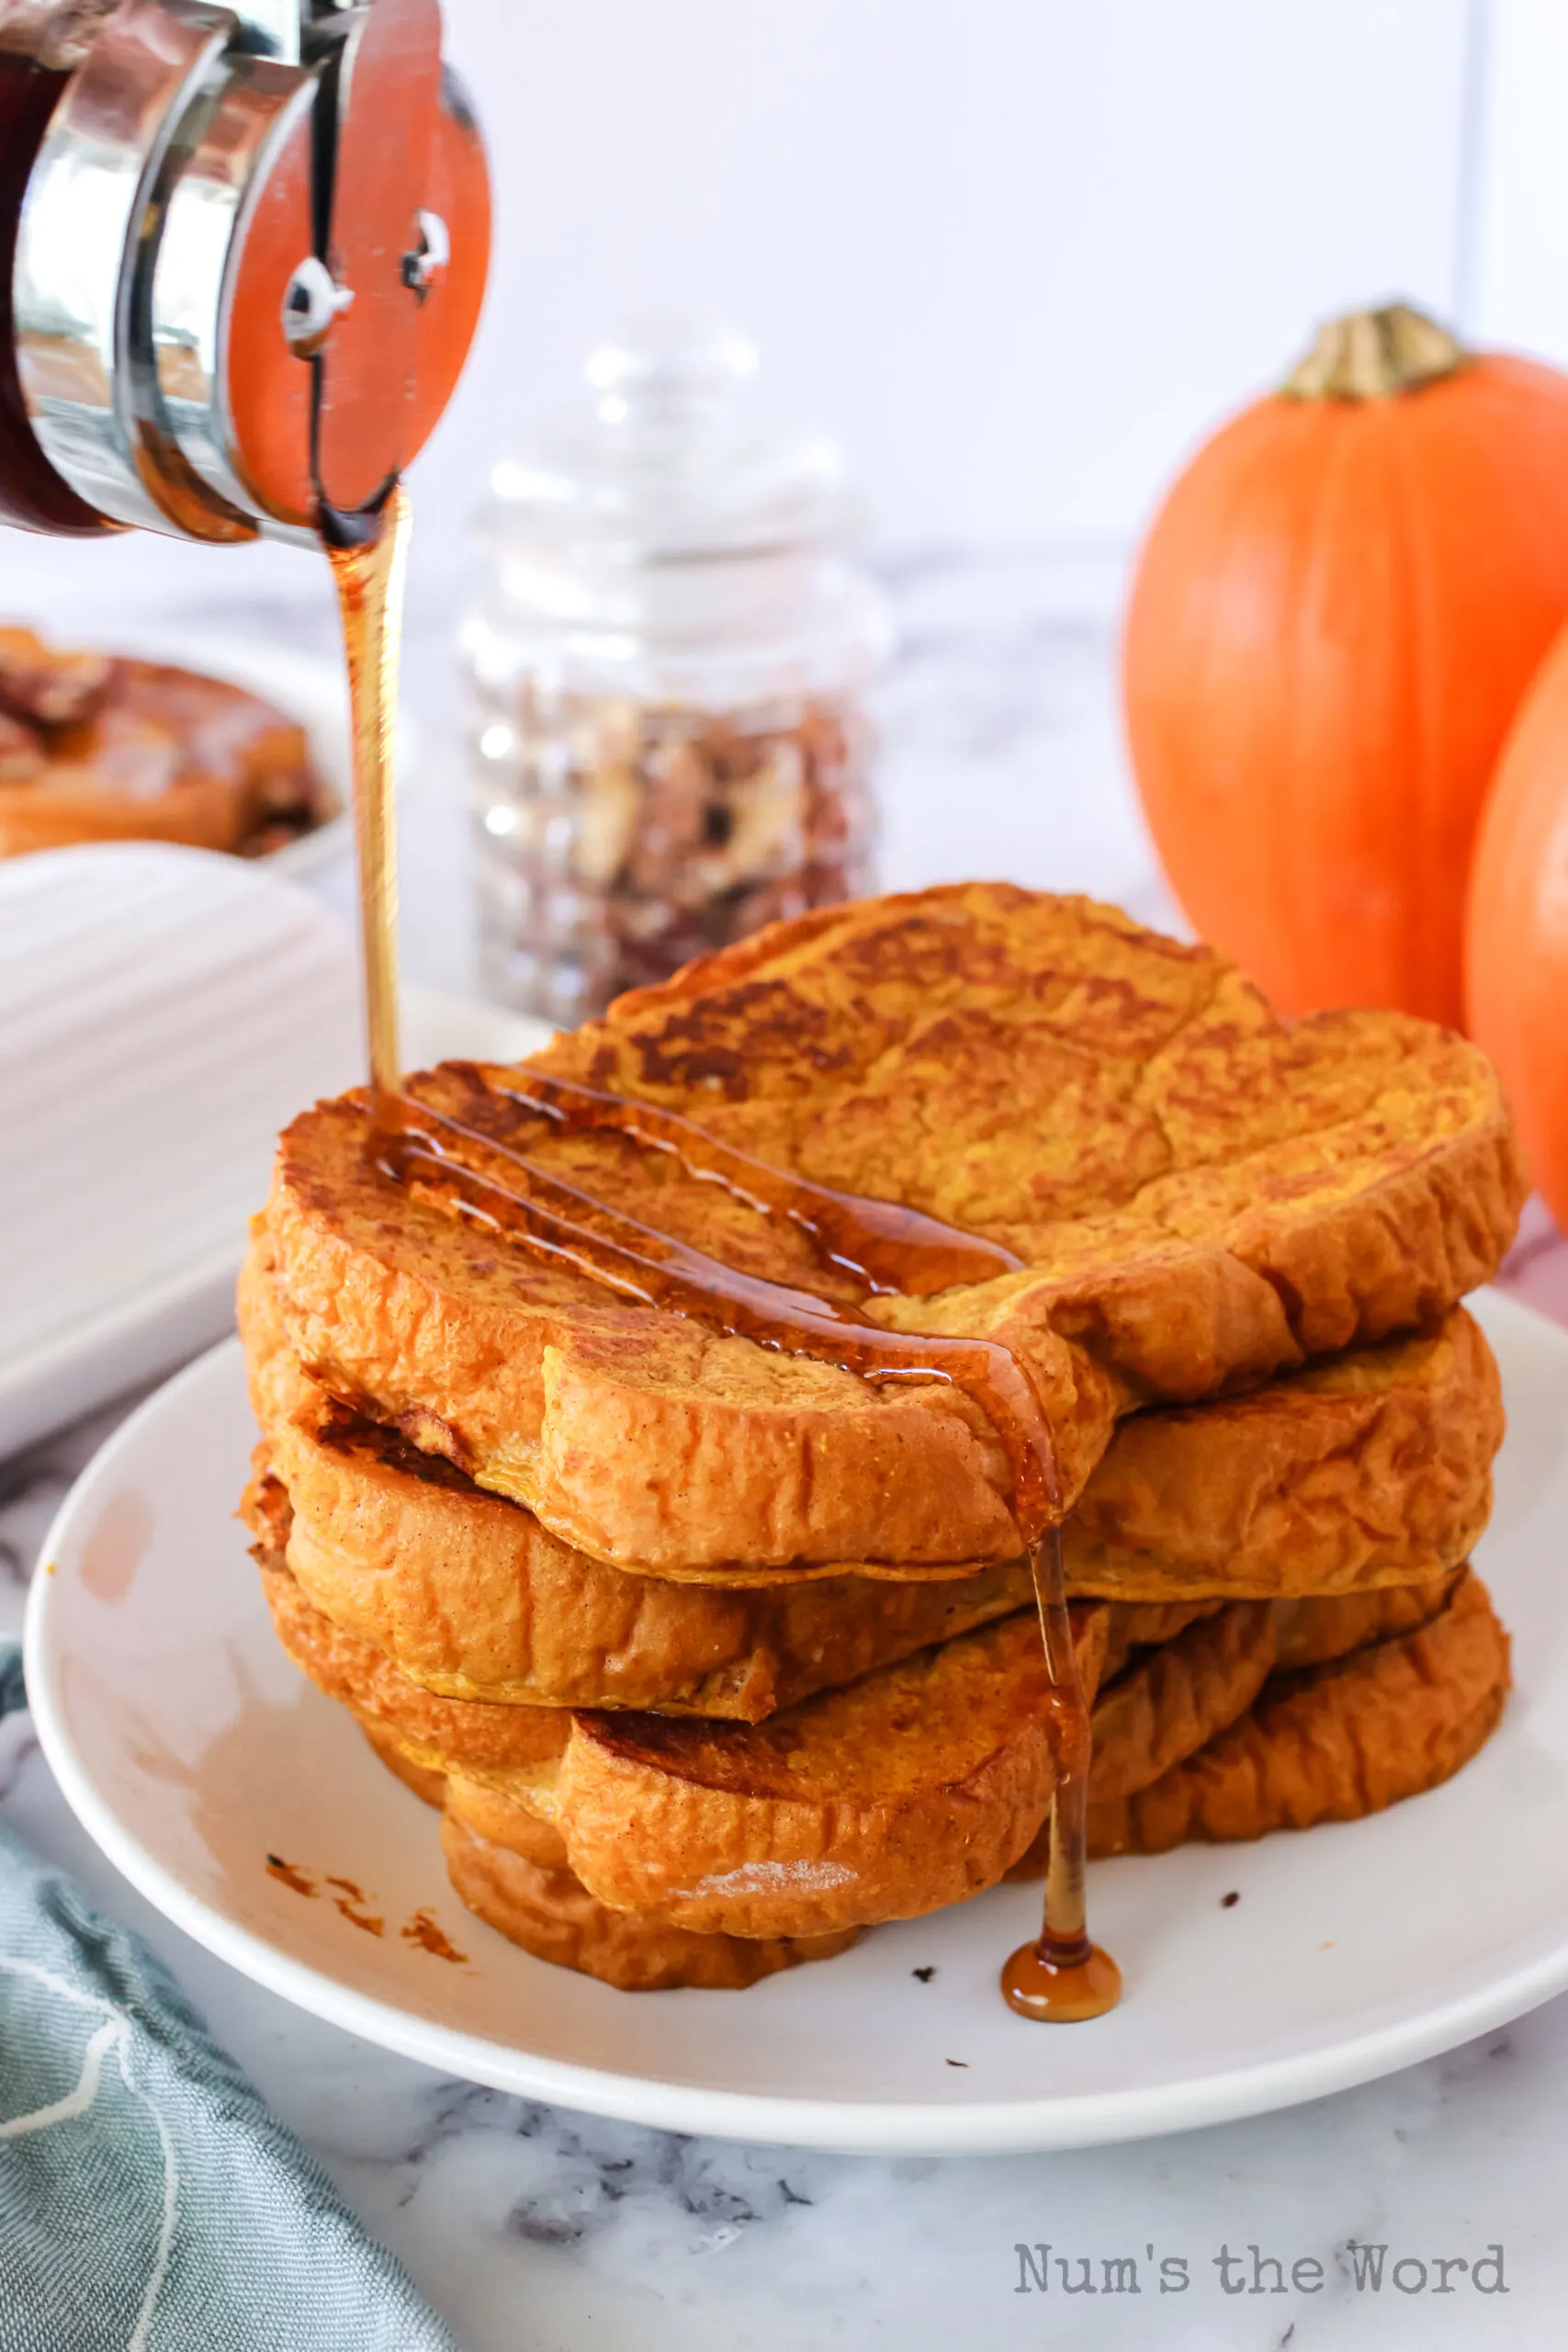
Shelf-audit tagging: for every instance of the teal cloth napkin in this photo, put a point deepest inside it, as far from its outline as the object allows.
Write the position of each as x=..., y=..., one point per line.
x=148, y=2201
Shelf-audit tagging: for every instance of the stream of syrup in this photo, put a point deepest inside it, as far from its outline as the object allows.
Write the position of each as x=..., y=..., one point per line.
x=1063, y=1977
x=369, y=575
x=466, y=1163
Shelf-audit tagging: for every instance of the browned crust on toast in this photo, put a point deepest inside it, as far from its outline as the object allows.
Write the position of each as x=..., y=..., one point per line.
x=1334, y=1742
x=552, y=1915
x=434, y=1731
x=1313, y=1631
x=1369, y=1468
x=1368, y=1464
x=1201, y=1195
x=1179, y=1695
x=470, y=1595
x=913, y=1788
x=1142, y=1624
x=520, y=1885
x=427, y=1783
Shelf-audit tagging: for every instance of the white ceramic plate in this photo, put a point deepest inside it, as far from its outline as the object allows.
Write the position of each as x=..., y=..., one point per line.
x=191, y=1748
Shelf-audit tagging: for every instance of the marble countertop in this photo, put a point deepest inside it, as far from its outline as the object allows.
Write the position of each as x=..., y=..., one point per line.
x=536, y=2230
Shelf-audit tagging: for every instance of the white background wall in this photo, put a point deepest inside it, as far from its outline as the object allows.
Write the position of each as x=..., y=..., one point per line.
x=1519, y=294
x=1020, y=253
x=1019, y=250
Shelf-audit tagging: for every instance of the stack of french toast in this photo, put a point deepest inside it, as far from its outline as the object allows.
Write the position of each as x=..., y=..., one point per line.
x=713, y=1653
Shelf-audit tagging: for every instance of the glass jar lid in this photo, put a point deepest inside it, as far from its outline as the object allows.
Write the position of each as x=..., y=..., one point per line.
x=665, y=463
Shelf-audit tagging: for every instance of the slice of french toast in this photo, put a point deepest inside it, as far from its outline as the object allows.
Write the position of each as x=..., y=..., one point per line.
x=517, y=1883
x=1333, y=1741
x=1367, y=1469
x=474, y=1599
x=1199, y=1195
x=99, y=749
x=1159, y=1706
x=913, y=1788
x=900, y=1793
x=552, y=1915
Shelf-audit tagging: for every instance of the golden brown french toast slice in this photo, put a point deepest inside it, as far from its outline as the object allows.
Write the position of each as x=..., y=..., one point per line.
x=1372, y=1466
x=1167, y=1701
x=915, y=1787
x=98, y=750
x=521, y=1621
x=552, y=1915
x=1369, y=1468
x=1334, y=1742
x=474, y=1599
x=1200, y=1194
x=520, y=1885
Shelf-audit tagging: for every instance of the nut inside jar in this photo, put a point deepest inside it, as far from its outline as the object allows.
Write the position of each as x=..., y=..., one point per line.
x=623, y=838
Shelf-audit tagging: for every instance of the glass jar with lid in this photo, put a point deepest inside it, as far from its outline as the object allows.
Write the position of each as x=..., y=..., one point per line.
x=669, y=680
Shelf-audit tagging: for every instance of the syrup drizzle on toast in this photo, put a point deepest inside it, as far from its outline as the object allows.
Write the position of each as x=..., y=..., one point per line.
x=890, y=1247
x=555, y=1219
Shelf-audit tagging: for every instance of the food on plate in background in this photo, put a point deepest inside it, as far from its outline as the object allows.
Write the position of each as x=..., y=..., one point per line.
x=96, y=747
x=1516, y=932
x=670, y=739
x=1332, y=622
x=713, y=1636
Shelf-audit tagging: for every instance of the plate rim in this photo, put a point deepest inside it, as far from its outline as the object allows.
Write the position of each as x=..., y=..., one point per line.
x=841, y=2126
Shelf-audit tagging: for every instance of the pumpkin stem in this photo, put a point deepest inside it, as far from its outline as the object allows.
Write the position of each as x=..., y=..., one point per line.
x=1375, y=356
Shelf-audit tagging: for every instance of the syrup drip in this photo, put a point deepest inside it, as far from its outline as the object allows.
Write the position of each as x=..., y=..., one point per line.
x=1063, y=1978
x=369, y=575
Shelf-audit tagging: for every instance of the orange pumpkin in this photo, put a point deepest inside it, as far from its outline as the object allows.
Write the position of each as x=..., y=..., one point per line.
x=1517, y=931
x=1332, y=622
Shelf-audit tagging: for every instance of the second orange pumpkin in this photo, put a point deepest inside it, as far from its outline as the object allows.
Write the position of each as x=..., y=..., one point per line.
x=1332, y=622
x=1517, y=943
